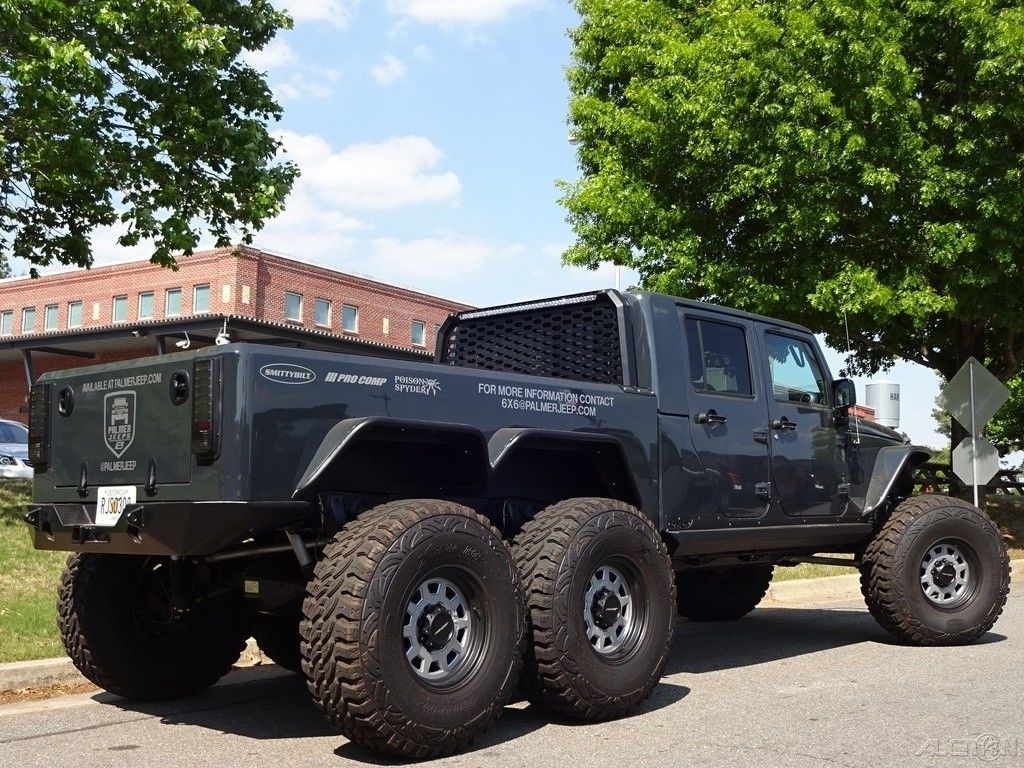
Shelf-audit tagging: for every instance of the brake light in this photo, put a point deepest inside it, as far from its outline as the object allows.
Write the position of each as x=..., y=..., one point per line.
x=39, y=426
x=206, y=407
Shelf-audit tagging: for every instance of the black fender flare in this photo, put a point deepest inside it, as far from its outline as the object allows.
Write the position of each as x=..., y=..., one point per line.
x=606, y=450
x=462, y=446
x=892, y=464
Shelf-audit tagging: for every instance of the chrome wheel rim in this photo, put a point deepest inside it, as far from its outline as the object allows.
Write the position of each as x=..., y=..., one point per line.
x=946, y=575
x=608, y=610
x=438, y=630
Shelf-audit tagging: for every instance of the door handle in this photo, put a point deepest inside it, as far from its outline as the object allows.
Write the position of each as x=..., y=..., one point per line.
x=712, y=418
x=783, y=424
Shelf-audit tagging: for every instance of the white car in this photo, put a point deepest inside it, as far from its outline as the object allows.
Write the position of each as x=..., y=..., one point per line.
x=14, y=451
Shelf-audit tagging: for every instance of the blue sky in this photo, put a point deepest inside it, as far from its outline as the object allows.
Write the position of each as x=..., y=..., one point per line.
x=431, y=135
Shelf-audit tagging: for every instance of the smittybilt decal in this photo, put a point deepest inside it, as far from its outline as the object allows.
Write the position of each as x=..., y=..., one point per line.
x=417, y=385
x=515, y=397
x=336, y=377
x=119, y=421
x=287, y=373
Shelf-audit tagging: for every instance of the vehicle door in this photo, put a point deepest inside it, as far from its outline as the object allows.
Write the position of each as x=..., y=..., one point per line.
x=808, y=468
x=728, y=412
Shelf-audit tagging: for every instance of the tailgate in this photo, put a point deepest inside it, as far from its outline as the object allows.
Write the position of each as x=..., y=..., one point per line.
x=122, y=419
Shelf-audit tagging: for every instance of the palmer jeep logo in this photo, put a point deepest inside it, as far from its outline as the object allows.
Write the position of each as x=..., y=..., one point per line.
x=119, y=421
x=287, y=373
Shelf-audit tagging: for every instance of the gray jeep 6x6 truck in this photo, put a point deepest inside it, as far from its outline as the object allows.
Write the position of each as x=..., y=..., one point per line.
x=530, y=510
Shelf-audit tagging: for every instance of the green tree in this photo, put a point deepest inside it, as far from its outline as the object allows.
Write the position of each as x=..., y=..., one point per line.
x=138, y=114
x=806, y=160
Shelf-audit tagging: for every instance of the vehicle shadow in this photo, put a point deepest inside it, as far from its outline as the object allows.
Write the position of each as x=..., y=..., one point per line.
x=775, y=633
x=269, y=703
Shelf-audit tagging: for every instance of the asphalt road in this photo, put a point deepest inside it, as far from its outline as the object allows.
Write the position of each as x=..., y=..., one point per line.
x=812, y=686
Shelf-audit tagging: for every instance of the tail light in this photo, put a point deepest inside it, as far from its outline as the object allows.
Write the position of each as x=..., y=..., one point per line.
x=206, y=407
x=39, y=426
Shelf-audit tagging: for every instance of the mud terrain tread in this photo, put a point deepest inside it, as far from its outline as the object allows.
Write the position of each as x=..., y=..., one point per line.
x=550, y=677
x=884, y=592
x=333, y=659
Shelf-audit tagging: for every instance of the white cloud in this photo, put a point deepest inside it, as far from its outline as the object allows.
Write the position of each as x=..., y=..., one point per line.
x=437, y=260
x=337, y=13
x=277, y=53
x=390, y=174
x=298, y=85
x=308, y=230
x=389, y=70
x=456, y=12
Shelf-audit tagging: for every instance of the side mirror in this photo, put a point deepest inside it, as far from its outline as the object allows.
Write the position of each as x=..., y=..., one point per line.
x=844, y=394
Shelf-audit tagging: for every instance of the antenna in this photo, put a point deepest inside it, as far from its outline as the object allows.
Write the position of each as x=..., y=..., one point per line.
x=849, y=356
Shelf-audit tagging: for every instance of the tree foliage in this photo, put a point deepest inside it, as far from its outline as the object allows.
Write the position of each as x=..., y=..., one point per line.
x=135, y=114
x=804, y=159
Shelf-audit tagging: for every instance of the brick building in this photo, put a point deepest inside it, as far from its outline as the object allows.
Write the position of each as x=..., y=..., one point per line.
x=242, y=282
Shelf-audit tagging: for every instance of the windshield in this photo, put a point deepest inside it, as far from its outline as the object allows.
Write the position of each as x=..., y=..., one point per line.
x=12, y=432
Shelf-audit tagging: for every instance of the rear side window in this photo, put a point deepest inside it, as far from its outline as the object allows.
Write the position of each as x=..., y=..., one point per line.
x=796, y=375
x=719, y=363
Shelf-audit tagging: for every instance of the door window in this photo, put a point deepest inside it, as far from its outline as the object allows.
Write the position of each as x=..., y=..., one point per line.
x=796, y=375
x=718, y=358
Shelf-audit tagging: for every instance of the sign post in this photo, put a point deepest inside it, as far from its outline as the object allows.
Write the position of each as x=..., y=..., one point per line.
x=972, y=397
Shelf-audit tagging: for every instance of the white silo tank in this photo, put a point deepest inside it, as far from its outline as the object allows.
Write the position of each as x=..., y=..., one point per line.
x=884, y=398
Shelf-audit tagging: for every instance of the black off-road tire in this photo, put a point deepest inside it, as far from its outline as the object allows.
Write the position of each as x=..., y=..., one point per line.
x=278, y=638
x=559, y=552
x=354, y=654
x=892, y=572
x=98, y=615
x=722, y=594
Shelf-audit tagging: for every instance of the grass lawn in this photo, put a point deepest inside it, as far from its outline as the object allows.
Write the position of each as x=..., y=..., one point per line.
x=28, y=585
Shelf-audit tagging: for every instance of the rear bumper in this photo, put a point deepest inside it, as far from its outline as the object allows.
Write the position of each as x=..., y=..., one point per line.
x=153, y=528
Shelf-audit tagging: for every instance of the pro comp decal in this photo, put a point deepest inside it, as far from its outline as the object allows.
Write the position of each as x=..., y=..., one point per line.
x=340, y=377
x=287, y=373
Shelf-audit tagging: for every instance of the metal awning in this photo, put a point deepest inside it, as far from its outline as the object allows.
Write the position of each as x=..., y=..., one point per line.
x=155, y=337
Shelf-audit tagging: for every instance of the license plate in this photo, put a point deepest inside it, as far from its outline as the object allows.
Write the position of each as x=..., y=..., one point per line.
x=111, y=502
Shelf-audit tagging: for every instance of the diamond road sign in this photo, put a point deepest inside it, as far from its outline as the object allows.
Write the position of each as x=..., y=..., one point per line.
x=989, y=395
x=964, y=462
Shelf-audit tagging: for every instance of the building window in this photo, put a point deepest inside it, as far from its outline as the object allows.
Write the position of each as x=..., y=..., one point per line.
x=7, y=322
x=322, y=312
x=120, y=312
x=419, y=333
x=28, y=320
x=146, y=306
x=201, y=299
x=75, y=314
x=50, y=318
x=292, y=307
x=350, y=319
x=172, y=302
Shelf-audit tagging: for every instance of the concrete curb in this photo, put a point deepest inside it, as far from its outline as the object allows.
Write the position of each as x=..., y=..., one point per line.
x=19, y=675
x=42, y=673
x=820, y=590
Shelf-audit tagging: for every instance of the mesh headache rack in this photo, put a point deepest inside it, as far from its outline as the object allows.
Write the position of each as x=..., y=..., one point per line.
x=582, y=337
